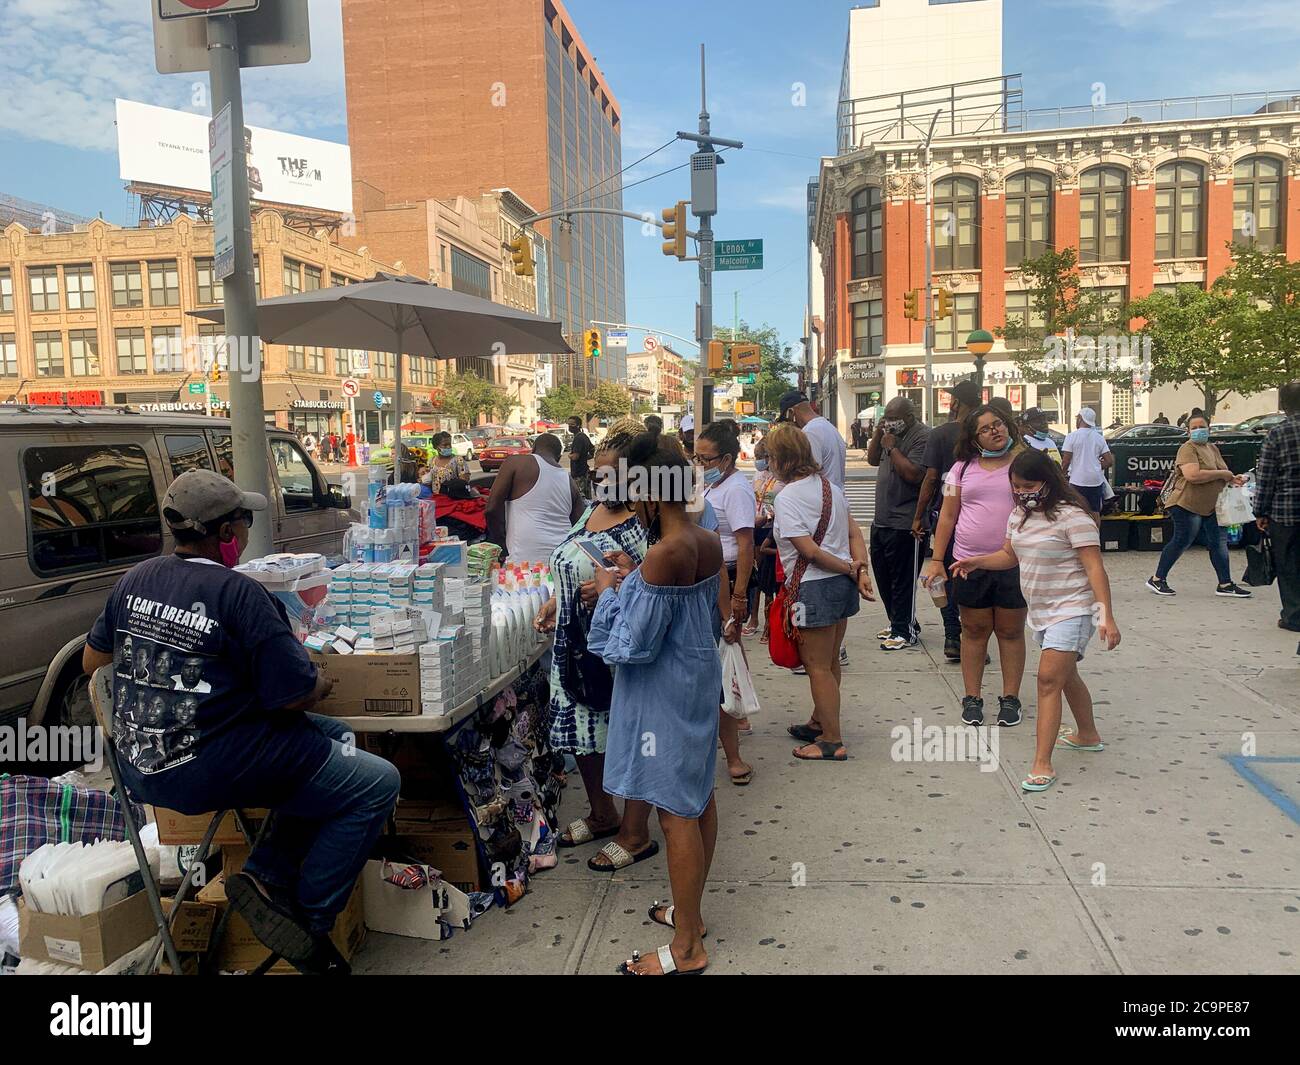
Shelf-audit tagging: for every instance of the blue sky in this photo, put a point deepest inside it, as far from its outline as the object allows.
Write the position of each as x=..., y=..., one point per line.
x=62, y=62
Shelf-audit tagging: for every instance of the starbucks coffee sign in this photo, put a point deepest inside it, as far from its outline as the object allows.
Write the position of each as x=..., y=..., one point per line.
x=171, y=408
x=317, y=404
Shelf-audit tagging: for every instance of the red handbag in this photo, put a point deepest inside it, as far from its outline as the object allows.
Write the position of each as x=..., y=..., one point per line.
x=783, y=638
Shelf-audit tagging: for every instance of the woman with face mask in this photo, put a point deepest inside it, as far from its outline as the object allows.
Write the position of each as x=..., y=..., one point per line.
x=766, y=487
x=576, y=727
x=444, y=465
x=1052, y=540
x=658, y=629
x=1199, y=475
x=977, y=502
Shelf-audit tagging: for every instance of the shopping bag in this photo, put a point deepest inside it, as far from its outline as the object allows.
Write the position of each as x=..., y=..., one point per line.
x=1233, y=506
x=1260, y=568
x=783, y=637
x=737, y=684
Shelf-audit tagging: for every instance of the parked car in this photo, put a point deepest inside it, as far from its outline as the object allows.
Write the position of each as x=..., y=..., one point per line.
x=1149, y=431
x=478, y=435
x=422, y=445
x=86, y=487
x=503, y=447
x=1261, y=423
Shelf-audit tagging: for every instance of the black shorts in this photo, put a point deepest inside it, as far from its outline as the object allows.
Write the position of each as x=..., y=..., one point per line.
x=987, y=588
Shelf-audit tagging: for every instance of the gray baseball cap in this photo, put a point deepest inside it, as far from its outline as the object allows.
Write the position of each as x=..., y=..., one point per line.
x=201, y=496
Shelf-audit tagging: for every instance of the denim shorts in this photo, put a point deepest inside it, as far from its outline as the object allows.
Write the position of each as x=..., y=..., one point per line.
x=827, y=600
x=1072, y=634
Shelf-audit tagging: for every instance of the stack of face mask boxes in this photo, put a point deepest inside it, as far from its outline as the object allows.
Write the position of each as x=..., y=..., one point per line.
x=358, y=592
x=477, y=598
x=448, y=672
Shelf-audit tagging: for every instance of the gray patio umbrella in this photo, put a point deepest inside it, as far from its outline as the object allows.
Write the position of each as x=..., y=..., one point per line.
x=404, y=315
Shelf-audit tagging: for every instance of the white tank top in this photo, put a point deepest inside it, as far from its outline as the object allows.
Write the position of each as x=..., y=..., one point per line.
x=538, y=520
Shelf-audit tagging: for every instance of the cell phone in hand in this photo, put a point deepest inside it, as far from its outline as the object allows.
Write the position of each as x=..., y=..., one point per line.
x=597, y=554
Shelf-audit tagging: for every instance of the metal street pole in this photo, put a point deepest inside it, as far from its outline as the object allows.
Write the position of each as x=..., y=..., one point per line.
x=927, y=397
x=248, y=426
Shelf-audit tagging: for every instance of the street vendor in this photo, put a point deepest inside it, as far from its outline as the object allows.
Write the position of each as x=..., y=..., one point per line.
x=229, y=728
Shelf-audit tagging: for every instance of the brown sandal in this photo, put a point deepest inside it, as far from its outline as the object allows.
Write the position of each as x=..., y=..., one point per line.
x=829, y=752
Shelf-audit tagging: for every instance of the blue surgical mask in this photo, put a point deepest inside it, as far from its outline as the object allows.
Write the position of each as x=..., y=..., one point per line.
x=996, y=454
x=446, y=452
x=1039, y=434
x=712, y=475
x=760, y=465
x=1200, y=436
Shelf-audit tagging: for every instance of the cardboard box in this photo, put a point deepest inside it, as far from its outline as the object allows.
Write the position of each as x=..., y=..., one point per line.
x=239, y=949
x=91, y=943
x=175, y=829
x=233, y=857
x=449, y=848
x=411, y=912
x=192, y=926
x=370, y=685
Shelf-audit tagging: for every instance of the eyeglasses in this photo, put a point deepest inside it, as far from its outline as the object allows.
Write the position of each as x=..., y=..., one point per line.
x=246, y=516
x=704, y=460
x=992, y=427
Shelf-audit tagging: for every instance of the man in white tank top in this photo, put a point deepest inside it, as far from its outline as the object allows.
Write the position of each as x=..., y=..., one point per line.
x=533, y=503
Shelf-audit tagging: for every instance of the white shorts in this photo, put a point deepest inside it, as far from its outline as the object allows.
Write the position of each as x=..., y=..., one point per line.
x=1072, y=634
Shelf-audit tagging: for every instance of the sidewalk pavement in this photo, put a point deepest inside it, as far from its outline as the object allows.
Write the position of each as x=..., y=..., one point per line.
x=1155, y=856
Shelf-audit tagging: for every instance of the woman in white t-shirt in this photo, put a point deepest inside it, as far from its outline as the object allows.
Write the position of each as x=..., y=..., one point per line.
x=835, y=574
x=1052, y=537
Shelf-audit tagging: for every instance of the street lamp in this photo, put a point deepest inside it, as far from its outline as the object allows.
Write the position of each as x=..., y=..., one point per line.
x=979, y=344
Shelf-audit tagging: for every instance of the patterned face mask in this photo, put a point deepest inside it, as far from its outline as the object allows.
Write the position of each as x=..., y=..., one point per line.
x=1029, y=500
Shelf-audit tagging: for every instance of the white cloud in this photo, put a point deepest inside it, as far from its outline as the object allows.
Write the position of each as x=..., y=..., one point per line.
x=792, y=198
x=64, y=62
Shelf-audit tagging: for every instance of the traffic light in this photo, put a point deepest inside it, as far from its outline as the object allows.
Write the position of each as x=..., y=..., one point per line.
x=591, y=343
x=521, y=254
x=945, y=305
x=717, y=357
x=675, y=230
x=215, y=373
x=911, y=303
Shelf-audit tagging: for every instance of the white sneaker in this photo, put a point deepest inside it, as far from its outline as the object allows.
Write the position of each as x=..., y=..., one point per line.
x=844, y=655
x=885, y=633
x=800, y=671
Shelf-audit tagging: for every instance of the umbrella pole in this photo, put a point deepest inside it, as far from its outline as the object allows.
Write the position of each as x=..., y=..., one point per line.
x=397, y=422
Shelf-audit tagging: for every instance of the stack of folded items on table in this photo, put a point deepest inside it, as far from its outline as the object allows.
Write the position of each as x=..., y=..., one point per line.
x=477, y=599
x=437, y=677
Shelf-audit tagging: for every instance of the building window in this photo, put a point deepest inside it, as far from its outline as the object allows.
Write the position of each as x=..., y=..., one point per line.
x=1021, y=308
x=469, y=274
x=383, y=363
x=950, y=334
x=1257, y=202
x=956, y=224
x=292, y=275
x=131, y=355
x=1102, y=195
x=342, y=362
x=311, y=278
x=866, y=212
x=1180, y=206
x=166, y=343
x=257, y=274
x=6, y=291
x=83, y=347
x=210, y=289
x=212, y=346
x=315, y=360
x=49, y=354
x=164, y=284
x=867, y=329
x=1029, y=216
x=44, y=282
x=1113, y=299
x=297, y=358
x=80, y=283
x=8, y=356
x=104, y=510
x=128, y=290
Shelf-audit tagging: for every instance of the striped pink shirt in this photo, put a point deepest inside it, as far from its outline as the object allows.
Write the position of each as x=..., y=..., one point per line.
x=1052, y=577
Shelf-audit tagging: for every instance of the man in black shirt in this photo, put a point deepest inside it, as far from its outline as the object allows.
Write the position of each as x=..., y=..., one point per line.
x=581, y=451
x=229, y=729
x=939, y=459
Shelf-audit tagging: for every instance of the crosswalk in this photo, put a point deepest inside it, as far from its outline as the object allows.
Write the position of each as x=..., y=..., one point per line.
x=862, y=499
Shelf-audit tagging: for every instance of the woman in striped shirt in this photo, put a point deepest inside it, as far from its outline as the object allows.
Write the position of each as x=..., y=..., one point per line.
x=1052, y=537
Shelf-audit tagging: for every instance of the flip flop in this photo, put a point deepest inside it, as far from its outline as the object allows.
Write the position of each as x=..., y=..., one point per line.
x=1037, y=782
x=803, y=732
x=827, y=749
x=1065, y=741
x=667, y=918
x=666, y=962
x=744, y=779
x=579, y=832
x=619, y=857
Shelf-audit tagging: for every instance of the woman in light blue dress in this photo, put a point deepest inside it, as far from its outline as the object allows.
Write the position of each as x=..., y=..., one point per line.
x=658, y=629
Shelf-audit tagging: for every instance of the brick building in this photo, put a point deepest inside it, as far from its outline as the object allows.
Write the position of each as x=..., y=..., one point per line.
x=452, y=98
x=663, y=373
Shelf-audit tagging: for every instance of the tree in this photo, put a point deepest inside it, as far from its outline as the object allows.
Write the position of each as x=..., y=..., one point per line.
x=562, y=402
x=777, y=371
x=1266, y=325
x=467, y=395
x=1081, y=336
x=610, y=400
x=1190, y=333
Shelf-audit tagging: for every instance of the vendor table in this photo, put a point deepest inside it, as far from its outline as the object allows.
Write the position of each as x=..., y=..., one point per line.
x=416, y=723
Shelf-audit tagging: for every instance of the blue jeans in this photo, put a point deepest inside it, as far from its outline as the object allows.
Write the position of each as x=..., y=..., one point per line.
x=1190, y=527
x=320, y=838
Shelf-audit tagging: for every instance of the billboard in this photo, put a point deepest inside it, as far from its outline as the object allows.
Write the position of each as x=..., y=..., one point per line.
x=160, y=146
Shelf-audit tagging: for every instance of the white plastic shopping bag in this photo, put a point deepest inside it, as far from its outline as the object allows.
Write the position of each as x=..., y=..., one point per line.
x=737, y=684
x=1234, y=504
